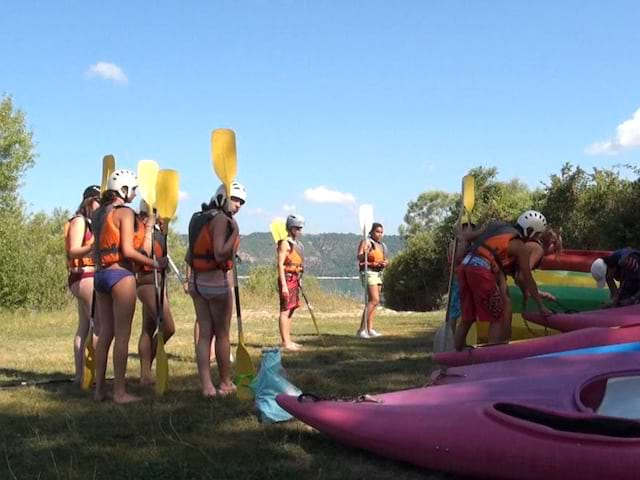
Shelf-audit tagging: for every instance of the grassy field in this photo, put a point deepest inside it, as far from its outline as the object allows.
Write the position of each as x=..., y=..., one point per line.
x=56, y=431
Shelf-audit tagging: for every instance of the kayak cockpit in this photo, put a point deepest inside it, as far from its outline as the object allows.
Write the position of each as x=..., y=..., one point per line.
x=572, y=423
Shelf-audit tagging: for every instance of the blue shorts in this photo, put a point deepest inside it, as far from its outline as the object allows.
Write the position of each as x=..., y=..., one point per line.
x=455, y=309
x=105, y=280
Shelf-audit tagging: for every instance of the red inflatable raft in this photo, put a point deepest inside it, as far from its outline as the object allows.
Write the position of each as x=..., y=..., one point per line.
x=567, y=322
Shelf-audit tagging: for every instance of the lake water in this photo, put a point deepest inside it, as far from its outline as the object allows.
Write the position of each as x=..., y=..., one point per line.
x=343, y=286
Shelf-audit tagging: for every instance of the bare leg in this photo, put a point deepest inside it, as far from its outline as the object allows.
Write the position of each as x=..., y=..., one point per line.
x=105, y=312
x=148, y=338
x=374, y=301
x=83, y=291
x=203, y=348
x=284, y=324
x=124, y=306
x=460, y=335
x=220, y=309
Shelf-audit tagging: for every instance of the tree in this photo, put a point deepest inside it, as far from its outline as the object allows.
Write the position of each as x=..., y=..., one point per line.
x=427, y=211
x=16, y=152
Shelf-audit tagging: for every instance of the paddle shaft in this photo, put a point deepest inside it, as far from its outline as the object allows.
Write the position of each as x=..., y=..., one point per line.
x=313, y=317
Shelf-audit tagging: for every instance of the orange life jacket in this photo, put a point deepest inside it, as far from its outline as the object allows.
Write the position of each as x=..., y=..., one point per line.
x=294, y=261
x=493, y=245
x=159, y=247
x=86, y=261
x=107, y=243
x=376, y=255
x=201, y=256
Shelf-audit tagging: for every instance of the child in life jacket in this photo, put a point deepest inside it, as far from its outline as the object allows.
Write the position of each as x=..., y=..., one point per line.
x=119, y=236
x=154, y=246
x=78, y=245
x=214, y=238
x=495, y=251
x=375, y=252
x=290, y=266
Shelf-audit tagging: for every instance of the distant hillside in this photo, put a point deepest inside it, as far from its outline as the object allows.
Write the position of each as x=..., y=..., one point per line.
x=327, y=254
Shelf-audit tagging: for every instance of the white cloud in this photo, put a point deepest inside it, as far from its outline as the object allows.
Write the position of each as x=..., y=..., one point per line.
x=183, y=195
x=108, y=71
x=288, y=208
x=627, y=138
x=322, y=194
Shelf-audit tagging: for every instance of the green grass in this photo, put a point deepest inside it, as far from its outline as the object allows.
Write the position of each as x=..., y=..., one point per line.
x=56, y=431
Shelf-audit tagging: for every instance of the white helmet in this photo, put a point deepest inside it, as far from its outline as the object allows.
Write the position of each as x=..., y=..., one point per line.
x=533, y=220
x=220, y=197
x=599, y=272
x=294, y=220
x=124, y=182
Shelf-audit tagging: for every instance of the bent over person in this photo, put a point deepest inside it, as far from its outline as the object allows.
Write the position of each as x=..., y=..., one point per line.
x=623, y=266
x=290, y=265
x=496, y=251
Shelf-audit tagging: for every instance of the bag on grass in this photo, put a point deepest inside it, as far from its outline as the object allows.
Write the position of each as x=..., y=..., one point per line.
x=271, y=381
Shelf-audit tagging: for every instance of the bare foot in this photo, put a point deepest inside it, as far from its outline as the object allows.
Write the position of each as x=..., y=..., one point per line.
x=125, y=398
x=209, y=392
x=227, y=389
x=147, y=381
x=99, y=396
x=291, y=347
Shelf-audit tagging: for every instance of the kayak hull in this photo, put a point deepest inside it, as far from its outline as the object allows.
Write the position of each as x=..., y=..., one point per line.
x=526, y=424
x=584, y=338
x=567, y=322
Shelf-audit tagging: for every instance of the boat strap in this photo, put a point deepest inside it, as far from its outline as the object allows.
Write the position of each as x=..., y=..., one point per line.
x=312, y=397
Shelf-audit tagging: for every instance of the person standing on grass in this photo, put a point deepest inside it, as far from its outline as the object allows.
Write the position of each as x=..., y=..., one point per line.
x=214, y=237
x=78, y=245
x=119, y=236
x=290, y=266
x=156, y=243
x=377, y=260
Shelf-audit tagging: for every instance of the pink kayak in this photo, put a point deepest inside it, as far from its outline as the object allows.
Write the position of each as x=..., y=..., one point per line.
x=573, y=260
x=587, y=337
x=551, y=418
x=608, y=317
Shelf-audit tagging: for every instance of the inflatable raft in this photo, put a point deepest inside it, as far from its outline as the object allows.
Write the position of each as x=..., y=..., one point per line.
x=578, y=422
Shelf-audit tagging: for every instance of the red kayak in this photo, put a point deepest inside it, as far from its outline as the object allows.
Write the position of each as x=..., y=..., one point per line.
x=573, y=260
x=586, y=337
x=551, y=418
x=567, y=322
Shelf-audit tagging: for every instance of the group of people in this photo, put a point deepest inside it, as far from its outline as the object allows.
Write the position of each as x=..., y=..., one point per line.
x=116, y=256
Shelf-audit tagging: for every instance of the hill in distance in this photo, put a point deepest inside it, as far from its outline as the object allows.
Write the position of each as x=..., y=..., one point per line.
x=326, y=254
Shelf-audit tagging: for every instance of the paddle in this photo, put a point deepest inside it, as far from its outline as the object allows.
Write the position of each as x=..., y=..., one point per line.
x=147, y=178
x=365, y=219
x=89, y=368
x=167, y=190
x=279, y=232
x=108, y=167
x=225, y=165
x=443, y=340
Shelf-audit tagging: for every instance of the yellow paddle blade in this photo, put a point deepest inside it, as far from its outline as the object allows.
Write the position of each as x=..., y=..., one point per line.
x=162, y=367
x=365, y=218
x=245, y=371
x=147, y=178
x=89, y=371
x=223, y=156
x=108, y=167
x=278, y=229
x=468, y=193
x=167, y=191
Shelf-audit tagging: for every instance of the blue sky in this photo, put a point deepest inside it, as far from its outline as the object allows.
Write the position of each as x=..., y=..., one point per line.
x=334, y=103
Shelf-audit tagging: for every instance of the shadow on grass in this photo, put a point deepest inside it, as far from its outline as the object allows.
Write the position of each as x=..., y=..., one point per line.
x=60, y=433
